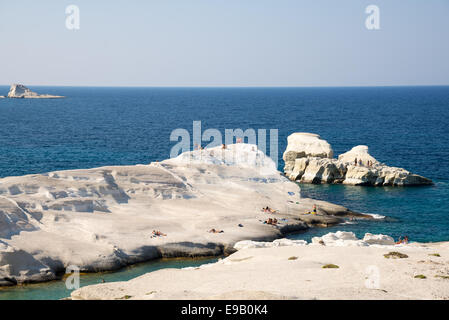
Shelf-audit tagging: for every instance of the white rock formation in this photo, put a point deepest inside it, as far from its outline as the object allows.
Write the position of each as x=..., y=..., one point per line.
x=246, y=244
x=338, y=239
x=313, y=167
x=347, y=239
x=103, y=218
x=333, y=239
x=359, y=153
x=378, y=239
x=302, y=145
x=20, y=91
x=295, y=272
x=241, y=155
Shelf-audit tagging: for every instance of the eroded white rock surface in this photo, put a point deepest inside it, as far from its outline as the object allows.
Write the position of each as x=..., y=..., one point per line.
x=378, y=239
x=246, y=244
x=332, y=239
x=315, y=168
x=103, y=218
x=20, y=91
x=347, y=239
x=296, y=272
x=302, y=144
x=359, y=153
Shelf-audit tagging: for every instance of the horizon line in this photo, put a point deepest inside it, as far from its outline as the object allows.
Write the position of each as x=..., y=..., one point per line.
x=230, y=86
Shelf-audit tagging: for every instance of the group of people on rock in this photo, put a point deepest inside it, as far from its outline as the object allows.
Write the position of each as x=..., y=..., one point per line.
x=271, y=221
x=360, y=162
x=267, y=209
x=197, y=147
x=157, y=233
x=402, y=240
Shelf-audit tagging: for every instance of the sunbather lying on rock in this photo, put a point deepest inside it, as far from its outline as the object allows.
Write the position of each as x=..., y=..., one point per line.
x=157, y=233
x=402, y=241
x=271, y=221
x=314, y=210
x=215, y=231
x=268, y=210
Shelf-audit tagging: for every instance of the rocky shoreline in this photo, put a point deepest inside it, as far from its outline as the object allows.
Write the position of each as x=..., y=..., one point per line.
x=105, y=218
x=335, y=266
x=102, y=219
x=309, y=159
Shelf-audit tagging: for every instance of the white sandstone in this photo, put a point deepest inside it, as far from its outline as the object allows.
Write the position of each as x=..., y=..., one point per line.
x=296, y=272
x=347, y=239
x=378, y=239
x=102, y=218
x=245, y=244
x=302, y=144
x=359, y=153
x=312, y=168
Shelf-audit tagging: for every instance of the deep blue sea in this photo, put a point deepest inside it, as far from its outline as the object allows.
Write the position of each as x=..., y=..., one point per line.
x=403, y=126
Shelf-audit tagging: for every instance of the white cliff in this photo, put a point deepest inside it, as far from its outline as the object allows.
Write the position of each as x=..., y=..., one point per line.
x=302, y=145
x=103, y=218
x=20, y=91
x=322, y=168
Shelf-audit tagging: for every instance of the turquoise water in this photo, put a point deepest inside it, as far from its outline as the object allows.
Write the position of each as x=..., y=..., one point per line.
x=57, y=290
x=418, y=212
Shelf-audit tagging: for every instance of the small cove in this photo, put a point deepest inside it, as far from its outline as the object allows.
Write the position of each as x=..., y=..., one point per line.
x=56, y=290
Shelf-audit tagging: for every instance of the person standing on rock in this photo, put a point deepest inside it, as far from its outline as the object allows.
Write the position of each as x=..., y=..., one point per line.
x=355, y=161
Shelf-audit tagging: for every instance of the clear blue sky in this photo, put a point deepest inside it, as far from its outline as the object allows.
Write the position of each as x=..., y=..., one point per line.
x=225, y=43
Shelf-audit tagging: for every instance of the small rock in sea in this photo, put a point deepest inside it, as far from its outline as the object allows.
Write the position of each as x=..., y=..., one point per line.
x=20, y=91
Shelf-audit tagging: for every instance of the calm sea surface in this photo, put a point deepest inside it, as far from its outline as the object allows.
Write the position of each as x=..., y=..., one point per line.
x=403, y=126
